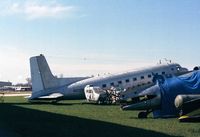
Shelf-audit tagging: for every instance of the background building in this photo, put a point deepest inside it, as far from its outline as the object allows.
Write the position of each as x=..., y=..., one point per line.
x=3, y=84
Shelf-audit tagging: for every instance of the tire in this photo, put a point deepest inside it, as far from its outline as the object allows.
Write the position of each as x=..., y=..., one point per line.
x=142, y=115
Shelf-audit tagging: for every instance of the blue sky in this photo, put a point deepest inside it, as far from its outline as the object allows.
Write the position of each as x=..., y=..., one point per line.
x=85, y=37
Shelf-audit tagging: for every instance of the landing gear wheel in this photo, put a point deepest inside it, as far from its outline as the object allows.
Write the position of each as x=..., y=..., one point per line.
x=142, y=115
x=54, y=101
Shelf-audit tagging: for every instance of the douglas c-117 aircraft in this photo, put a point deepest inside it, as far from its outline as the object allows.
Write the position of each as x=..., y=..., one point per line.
x=45, y=86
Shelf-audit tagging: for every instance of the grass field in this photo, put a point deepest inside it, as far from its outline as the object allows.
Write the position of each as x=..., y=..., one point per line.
x=74, y=119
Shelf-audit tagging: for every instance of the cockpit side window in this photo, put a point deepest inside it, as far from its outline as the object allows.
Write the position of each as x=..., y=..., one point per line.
x=178, y=67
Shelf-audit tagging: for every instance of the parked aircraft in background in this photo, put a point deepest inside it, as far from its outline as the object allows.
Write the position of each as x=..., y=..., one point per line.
x=187, y=103
x=160, y=98
x=188, y=106
x=45, y=86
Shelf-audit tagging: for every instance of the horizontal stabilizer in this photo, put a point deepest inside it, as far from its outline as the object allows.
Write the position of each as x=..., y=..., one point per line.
x=52, y=96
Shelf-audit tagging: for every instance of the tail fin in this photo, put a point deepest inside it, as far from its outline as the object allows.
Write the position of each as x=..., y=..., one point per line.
x=41, y=75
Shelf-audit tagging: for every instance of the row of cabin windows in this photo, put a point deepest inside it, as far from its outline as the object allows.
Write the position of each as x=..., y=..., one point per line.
x=112, y=84
x=134, y=79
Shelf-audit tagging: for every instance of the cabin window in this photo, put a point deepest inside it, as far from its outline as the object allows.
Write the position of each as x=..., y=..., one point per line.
x=143, y=83
x=149, y=82
x=127, y=80
x=104, y=86
x=138, y=85
x=112, y=84
x=142, y=77
x=172, y=69
x=119, y=82
x=149, y=76
x=163, y=73
x=134, y=79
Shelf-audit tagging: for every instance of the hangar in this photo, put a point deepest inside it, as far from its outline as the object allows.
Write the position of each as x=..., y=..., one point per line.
x=3, y=84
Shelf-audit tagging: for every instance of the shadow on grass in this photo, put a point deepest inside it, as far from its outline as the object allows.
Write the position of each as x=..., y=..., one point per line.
x=34, y=123
x=64, y=103
x=45, y=103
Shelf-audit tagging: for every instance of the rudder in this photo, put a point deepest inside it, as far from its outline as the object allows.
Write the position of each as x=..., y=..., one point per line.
x=41, y=75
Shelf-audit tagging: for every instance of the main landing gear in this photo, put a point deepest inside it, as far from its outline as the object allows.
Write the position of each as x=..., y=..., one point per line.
x=144, y=114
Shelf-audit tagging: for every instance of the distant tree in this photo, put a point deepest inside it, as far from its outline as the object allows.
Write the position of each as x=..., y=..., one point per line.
x=29, y=82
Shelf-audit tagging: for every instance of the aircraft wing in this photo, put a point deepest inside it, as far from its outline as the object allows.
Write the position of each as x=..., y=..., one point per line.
x=49, y=97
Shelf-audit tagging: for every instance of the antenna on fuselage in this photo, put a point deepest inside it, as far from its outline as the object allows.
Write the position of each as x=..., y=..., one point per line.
x=168, y=61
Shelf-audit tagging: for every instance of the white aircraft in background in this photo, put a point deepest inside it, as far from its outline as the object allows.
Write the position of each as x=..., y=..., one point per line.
x=45, y=86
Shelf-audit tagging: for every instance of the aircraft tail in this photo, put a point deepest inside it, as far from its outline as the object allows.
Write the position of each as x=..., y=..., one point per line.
x=41, y=75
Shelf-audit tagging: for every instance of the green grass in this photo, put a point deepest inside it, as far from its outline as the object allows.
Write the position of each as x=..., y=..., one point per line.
x=74, y=119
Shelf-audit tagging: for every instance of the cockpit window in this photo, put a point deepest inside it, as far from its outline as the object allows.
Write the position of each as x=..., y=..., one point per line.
x=178, y=68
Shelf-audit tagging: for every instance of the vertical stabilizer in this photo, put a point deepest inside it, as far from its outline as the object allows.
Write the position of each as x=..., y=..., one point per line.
x=41, y=75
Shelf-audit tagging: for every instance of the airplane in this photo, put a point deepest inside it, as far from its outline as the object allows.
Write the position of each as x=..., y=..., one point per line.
x=45, y=86
x=188, y=106
x=184, y=90
x=187, y=103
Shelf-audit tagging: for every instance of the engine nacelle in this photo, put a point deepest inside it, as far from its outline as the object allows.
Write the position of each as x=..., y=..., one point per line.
x=187, y=103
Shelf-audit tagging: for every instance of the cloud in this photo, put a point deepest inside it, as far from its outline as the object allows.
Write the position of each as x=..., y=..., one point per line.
x=35, y=10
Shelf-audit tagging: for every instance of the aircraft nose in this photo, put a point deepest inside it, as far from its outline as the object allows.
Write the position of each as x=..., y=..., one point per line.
x=178, y=101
